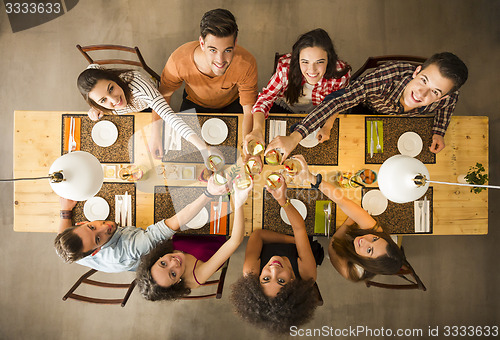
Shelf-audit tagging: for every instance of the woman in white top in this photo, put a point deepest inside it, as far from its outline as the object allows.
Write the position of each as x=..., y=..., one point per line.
x=113, y=91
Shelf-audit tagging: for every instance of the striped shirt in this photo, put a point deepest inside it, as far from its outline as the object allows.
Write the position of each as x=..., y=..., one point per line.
x=381, y=90
x=145, y=95
x=278, y=84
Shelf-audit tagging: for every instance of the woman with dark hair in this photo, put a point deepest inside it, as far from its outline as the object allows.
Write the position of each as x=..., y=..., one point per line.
x=113, y=91
x=174, y=267
x=360, y=248
x=302, y=80
x=276, y=290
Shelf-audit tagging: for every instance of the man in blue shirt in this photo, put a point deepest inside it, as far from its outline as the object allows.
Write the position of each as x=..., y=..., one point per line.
x=107, y=247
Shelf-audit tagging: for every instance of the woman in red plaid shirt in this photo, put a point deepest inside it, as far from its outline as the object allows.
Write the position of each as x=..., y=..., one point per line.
x=302, y=80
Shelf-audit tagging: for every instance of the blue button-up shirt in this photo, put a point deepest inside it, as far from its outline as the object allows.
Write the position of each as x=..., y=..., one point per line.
x=125, y=248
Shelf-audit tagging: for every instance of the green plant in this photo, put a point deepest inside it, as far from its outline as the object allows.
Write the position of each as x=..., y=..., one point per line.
x=475, y=176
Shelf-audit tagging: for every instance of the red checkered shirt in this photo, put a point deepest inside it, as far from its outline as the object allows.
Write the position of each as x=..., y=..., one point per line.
x=279, y=83
x=381, y=90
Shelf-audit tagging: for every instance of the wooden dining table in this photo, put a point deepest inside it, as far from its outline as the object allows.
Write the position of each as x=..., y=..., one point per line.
x=38, y=137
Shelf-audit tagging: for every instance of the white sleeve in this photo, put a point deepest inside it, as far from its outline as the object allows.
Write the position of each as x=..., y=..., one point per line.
x=145, y=91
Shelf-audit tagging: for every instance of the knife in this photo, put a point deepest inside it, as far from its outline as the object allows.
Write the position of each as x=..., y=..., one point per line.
x=425, y=214
x=220, y=210
x=123, y=217
x=371, y=139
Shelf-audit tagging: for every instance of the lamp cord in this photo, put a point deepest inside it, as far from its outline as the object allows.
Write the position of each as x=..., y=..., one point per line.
x=22, y=179
x=467, y=185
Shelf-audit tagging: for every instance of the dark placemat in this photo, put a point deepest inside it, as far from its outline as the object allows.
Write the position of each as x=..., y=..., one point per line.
x=108, y=192
x=393, y=128
x=271, y=211
x=400, y=218
x=122, y=151
x=189, y=154
x=166, y=207
x=326, y=153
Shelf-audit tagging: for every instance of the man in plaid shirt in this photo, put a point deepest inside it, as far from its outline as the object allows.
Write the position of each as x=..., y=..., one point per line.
x=392, y=88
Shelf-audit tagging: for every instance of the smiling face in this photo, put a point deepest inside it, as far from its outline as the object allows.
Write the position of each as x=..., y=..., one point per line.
x=370, y=246
x=108, y=94
x=275, y=275
x=169, y=269
x=313, y=62
x=95, y=234
x=218, y=53
x=426, y=87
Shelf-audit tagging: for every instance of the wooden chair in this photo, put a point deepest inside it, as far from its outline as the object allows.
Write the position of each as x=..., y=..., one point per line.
x=219, y=282
x=85, y=279
x=134, y=50
x=405, y=271
x=277, y=57
x=374, y=62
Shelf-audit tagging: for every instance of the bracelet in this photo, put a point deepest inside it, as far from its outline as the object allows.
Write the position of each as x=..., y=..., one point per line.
x=287, y=203
x=209, y=195
x=66, y=214
x=319, y=178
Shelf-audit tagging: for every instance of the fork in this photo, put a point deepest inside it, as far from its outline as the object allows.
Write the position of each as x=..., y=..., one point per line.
x=327, y=217
x=379, y=148
x=72, y=142
x=420, y=208
x=118, y=212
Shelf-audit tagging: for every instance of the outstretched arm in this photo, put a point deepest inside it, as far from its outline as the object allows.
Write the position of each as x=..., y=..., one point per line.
x=205, y=270
x=306, y=261
x=192, y=209
x=351, y=209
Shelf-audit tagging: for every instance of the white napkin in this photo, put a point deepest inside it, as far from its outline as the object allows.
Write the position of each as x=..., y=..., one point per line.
x=276, y=128
x=172, y=139
x=422, y=225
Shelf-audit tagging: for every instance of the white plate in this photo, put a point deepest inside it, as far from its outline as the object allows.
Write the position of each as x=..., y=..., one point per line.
x=214, y=131
x=299, y=205
x=310, y=141
x=96, y=209
x=104, y=133
x=410, y=144
x=199, y=220
x=374, y=202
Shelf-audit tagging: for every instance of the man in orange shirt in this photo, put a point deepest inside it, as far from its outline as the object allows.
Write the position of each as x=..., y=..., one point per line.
x=219, y=76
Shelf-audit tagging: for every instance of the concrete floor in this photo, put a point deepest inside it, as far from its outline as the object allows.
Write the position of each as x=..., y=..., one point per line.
x=40, y=66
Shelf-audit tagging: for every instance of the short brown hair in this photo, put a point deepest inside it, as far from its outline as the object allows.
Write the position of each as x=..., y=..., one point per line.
x=69, y=246
x=220, y=23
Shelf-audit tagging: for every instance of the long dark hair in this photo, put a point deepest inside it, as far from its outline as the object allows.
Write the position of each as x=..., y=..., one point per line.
x=387, y=264
x=151, y=290
x=89, y=78
x=315, y=38
x=293, y=306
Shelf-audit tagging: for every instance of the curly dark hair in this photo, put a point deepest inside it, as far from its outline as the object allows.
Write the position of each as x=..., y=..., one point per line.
x=387, y=264
x=69, y=246
x=148, y=287
x=88, y=79
x=293, y=306
x=315, y=38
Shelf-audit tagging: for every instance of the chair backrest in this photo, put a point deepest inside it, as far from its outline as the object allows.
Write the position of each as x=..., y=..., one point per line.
x=277, y=57
x=134, y=50
x=374, y=62
x=85, y=279
x=219, y=282
x=405, y=272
